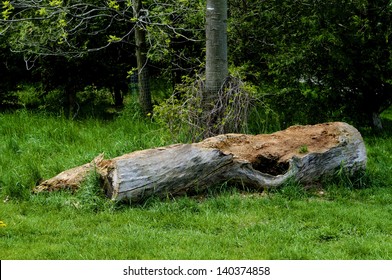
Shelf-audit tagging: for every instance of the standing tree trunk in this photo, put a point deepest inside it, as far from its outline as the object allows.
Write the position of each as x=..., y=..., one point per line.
x=216, y=46
x=141, y=50
x=216, y=64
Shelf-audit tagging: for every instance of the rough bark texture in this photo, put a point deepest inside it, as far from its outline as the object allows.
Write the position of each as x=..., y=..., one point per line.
x=141, y=50
x=302, y=153
x=216, y=45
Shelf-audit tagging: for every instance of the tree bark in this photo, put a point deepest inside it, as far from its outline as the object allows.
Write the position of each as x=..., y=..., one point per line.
x=306, y=154
x=141, y=50
x=216, y=46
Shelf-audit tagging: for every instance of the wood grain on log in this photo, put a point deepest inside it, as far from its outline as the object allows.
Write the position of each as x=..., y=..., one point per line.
x=302, y=153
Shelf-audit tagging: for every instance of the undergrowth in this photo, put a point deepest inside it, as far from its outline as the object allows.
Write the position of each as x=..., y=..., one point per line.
x=190, y=112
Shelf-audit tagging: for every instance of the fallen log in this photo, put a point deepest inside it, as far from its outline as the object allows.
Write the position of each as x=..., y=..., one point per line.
x=306, y=154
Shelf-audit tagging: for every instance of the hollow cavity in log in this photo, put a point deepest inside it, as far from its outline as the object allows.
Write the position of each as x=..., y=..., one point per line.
x=270, y=165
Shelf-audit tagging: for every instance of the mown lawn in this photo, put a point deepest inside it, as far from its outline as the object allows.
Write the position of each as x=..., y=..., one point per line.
x=339, y=220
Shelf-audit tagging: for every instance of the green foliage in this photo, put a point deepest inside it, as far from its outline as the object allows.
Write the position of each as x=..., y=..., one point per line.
x=335, y=220
x=317, y=61
x=28, y=96
x=303, y=149
x=53, y=101
x=7, y=9
x=113, y=4
x=357, y=50
x=323, y=60
x=54, y=3
x=90, y=102
x=132, y=109
x=173, y=115
x=113, y=38
x=41, y=36
x=176, y=32
x=94, y=101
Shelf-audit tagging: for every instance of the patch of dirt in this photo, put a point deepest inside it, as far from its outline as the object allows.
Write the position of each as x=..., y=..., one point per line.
x=270, y=153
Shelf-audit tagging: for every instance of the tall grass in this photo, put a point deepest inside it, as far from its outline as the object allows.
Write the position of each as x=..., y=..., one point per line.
x=34, y=146
x=337, y=220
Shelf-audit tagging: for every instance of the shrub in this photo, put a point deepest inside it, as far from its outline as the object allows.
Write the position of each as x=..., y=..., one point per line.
x=185, y=115
x=94, y=101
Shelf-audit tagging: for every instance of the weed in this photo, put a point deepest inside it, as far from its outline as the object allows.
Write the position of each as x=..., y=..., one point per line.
x=303, y=149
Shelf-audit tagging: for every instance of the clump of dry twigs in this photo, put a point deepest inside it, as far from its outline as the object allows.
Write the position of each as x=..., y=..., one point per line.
x=193, y=113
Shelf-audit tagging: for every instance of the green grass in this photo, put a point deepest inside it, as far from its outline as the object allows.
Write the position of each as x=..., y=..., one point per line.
x=341, y=220
x=35, y=146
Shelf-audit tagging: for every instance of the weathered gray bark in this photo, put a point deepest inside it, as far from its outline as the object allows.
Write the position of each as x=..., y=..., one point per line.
x=302, y=153
x=216, y=45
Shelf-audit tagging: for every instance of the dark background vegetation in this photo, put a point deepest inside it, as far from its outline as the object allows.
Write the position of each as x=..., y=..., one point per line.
x=309, y=61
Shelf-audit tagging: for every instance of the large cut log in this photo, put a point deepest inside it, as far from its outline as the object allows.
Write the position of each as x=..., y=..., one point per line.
x=306, y=154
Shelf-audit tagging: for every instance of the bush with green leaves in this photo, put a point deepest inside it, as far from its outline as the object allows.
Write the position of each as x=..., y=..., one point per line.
x=94, y=101
x=325, y=60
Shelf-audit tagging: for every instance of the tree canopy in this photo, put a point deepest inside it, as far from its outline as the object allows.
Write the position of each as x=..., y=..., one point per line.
x=311, y=61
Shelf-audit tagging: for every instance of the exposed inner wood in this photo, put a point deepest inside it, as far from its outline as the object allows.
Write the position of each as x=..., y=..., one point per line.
x=302, y=153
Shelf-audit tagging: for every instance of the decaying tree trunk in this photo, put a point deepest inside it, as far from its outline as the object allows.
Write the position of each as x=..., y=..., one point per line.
x=302, y=153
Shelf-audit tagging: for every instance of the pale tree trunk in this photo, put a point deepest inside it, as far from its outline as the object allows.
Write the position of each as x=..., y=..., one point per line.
x=216, y=46
x=141, y=50
x=216, y=64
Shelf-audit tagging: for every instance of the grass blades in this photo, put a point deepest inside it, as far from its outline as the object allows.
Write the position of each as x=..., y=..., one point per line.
x=225, y=227
x=36, y=146
x=337, y=220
